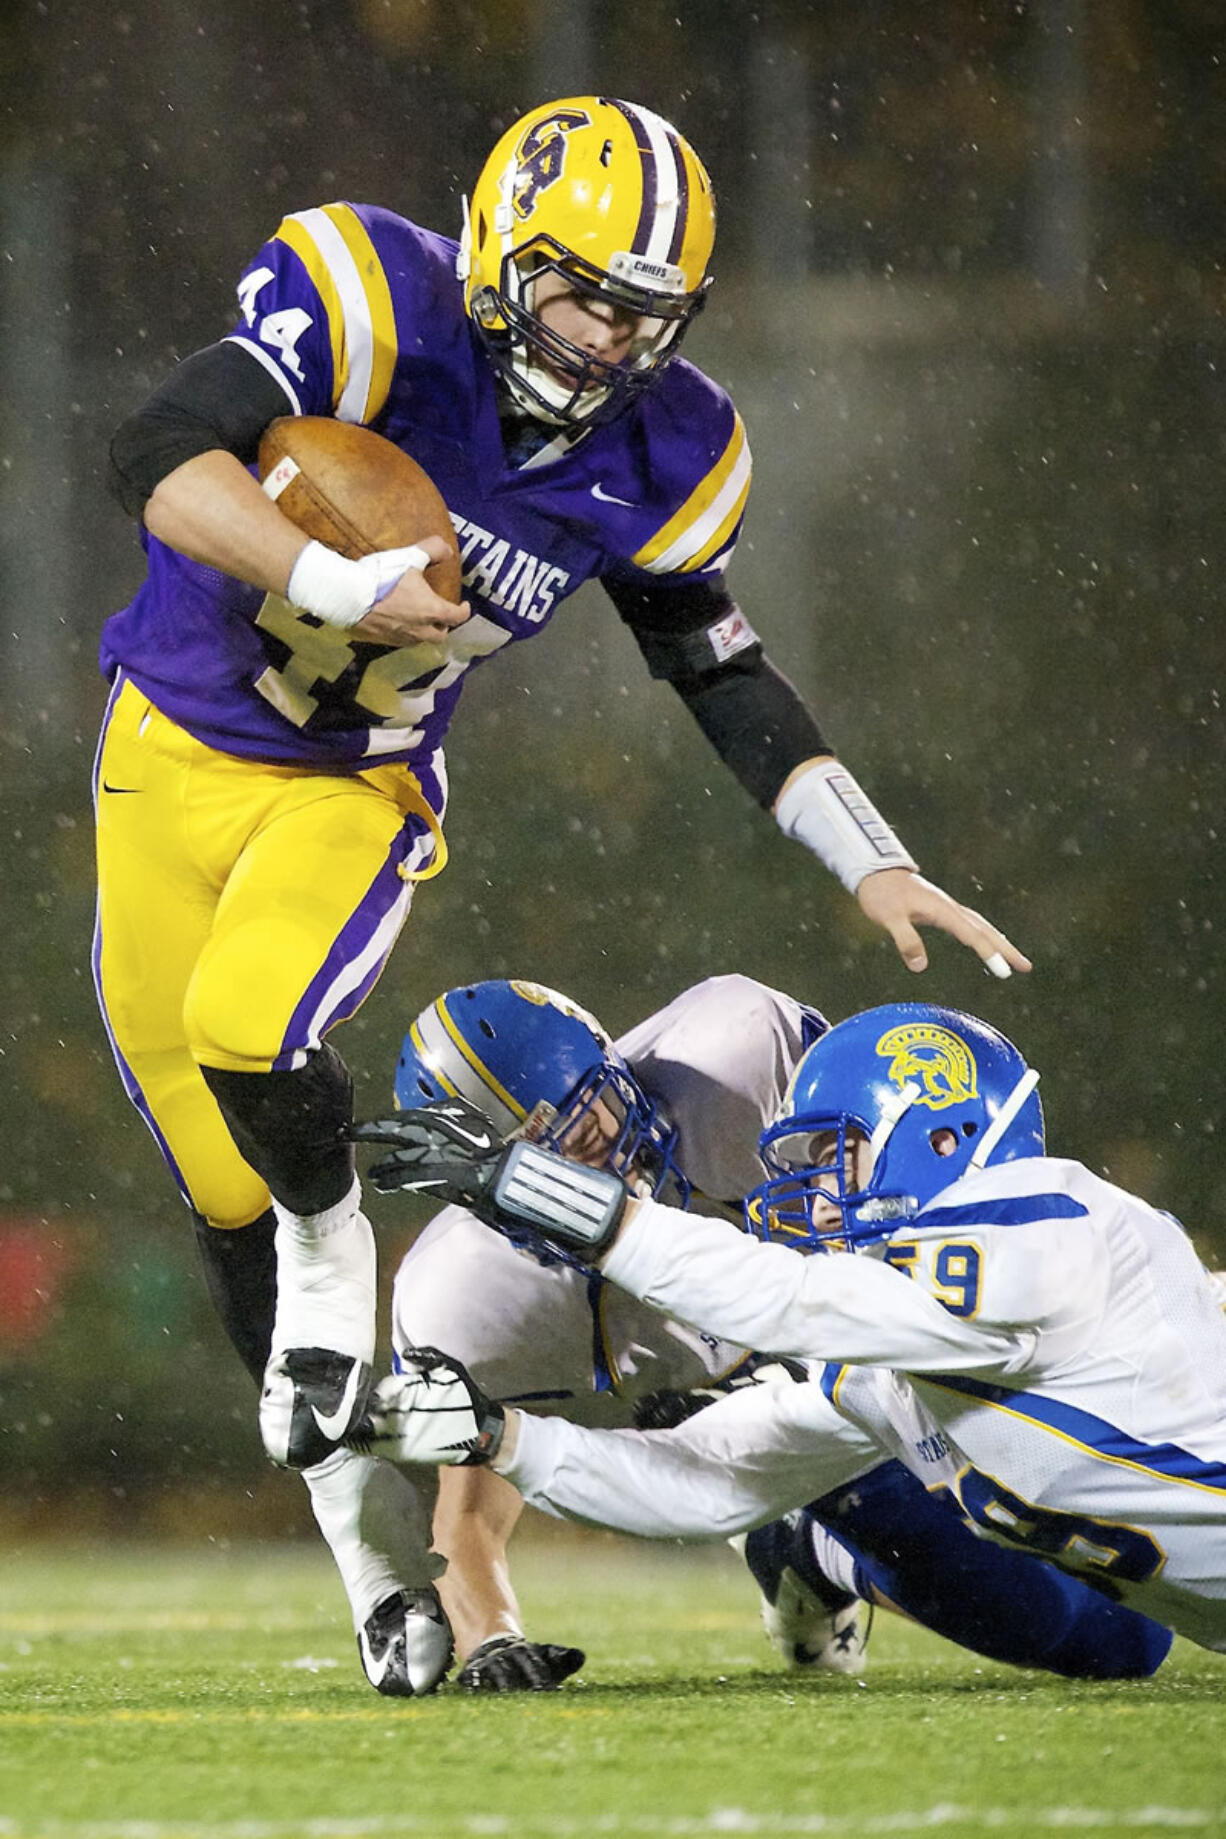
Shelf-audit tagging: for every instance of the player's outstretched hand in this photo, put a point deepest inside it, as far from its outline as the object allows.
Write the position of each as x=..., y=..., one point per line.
x=900, y=901
x=442, y=1148
x=431, y=1411
x=509, y=1663
x=450, y=1150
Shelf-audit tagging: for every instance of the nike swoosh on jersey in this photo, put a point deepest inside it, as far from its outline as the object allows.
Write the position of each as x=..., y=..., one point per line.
x=116, y=789
x=334, y=1424
x=603, y=497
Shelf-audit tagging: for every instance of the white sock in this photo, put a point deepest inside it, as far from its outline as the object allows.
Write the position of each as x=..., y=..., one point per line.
x=326, y=1279
x=834, y=1560
x=377, y=1528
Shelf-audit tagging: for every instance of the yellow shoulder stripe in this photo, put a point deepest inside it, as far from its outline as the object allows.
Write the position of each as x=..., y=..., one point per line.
x=335, y=249
x=294, y=232
x=709, y=515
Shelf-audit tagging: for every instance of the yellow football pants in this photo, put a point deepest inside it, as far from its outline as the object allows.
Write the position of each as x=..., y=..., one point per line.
x=243, y=910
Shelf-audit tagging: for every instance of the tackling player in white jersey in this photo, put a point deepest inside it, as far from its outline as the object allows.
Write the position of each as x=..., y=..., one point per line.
x=686, y=1090
x=1040, y=1344
x=685, y=1105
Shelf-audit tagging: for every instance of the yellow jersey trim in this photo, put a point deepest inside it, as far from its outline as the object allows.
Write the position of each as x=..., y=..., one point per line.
x=378, y=296
x=709, y=515
x=295, y=235
x=333, y=246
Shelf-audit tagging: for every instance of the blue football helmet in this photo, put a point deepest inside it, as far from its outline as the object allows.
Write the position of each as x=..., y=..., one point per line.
x=536, y=1063
x=932, y=1091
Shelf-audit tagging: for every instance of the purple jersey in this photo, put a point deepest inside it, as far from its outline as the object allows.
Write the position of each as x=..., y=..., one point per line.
x=359, y=314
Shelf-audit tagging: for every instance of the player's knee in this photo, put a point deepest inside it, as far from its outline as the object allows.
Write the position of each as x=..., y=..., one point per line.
x=1111, y=1643
x=289, y=1126
x=231, y=1014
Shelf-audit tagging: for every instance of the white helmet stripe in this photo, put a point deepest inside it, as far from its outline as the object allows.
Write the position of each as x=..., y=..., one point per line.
x=893, y=1107
x=1004, y=1117
x=663, y=184
x=504, y=224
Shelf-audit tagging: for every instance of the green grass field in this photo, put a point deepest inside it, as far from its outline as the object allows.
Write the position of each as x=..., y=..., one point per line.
x=182, y=1693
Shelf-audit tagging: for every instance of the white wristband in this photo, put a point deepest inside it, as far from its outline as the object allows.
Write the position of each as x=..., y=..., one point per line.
x=341, y=592
x=830, y=814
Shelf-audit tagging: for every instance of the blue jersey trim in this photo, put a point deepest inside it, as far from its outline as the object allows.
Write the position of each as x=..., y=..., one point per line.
x=813, y=1025
x=602, y=1375
x=832, y=1372
x=1010, y=1210
x=1092, y=1433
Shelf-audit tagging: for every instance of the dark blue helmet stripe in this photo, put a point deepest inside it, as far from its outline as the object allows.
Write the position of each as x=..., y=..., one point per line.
x=642, y=140
x=683, y=201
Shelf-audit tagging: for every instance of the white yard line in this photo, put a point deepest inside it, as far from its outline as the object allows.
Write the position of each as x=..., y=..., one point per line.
x=944, y=1817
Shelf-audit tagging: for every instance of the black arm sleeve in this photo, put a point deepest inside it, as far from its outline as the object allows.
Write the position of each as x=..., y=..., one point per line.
x=220, y=397
x=750, y=713
x=756, y=722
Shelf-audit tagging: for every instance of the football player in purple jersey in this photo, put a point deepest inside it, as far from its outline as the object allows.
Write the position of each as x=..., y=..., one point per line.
x=271, y=781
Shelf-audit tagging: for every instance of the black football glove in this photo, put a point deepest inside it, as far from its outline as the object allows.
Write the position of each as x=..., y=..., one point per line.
x=508, y=1663
x=665, y=1410
x=451, y=1150
x=444, y=1138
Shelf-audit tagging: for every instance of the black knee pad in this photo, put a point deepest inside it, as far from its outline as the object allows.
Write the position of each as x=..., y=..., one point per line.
x=288, y=1126
x=240, y=1270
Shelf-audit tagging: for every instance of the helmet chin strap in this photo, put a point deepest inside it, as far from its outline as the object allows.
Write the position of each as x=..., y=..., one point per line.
x=1004, y=1117
x=464, y=254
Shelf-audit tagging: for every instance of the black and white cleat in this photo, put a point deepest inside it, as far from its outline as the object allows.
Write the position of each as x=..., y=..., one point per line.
x=809, y=1621
x=406, y=1644
x=312, y=1399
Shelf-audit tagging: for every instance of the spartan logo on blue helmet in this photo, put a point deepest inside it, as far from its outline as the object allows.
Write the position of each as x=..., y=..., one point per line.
x=936, y=1057
x=931, y=1092
x=542, y=1068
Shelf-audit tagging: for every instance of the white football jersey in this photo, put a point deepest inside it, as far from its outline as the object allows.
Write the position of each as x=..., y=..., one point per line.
x=539, y=1332
x=1039, y=1341
x=717, y=1060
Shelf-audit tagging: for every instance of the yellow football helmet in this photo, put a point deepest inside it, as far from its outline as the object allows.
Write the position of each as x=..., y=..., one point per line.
x=609, y=196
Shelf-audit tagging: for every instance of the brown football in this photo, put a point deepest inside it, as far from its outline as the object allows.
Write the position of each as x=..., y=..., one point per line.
x=356, y=492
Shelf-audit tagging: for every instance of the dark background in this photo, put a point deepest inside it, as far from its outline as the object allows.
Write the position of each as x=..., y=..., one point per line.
x=970, y=304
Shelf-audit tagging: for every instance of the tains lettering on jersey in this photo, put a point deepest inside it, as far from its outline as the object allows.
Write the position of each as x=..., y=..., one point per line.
x=507, y=577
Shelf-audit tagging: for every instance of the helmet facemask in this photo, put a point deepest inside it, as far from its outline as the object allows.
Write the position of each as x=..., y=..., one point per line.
x=610, y=1121
x=549, y=376
x=822, y=1189
x=934, y=1095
